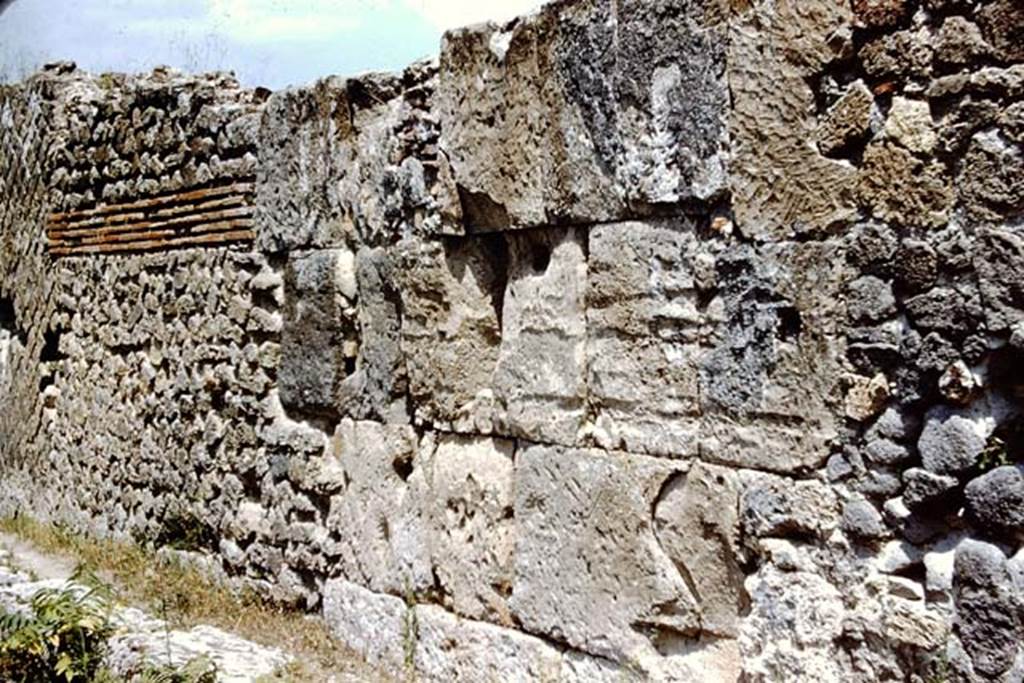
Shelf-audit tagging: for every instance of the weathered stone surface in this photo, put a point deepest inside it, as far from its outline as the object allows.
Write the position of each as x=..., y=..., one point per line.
x=584, y=523
x=989, y=620
x=950, y=442
x=601, y=124
x=847, y=120
x=925, y=488
x=539, y=379
x=379, y=517
x=320, y=340
x=773, y=50
x=996, y=499
x=448, y=648
x=794, y=621
x=472, y=528
x=866, y=396
x=370, y=624
x=362, y=153
x=902, y=189
x=910, y=124
x=451, y=301
x=862, y=520
x=774, y=506
x=696, y=519
x=770, y=384
x=643, y=335
x=990, y=182
x=1000, y=262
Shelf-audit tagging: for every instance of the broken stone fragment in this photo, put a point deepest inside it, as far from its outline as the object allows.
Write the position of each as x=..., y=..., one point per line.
x=847, y=120
x=988, y=615
x=696, y=522
x=879, y=13
x=924, y=488
x=866, y=396
x=902, y=189
x=772, y=506
x=910, y=124
x=862, y=520
x=958, y=384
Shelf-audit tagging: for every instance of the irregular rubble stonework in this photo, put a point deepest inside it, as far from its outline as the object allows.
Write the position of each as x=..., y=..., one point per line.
x=631, y=339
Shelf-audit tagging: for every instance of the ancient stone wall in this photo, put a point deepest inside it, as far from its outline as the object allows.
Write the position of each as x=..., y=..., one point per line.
x=666, y=340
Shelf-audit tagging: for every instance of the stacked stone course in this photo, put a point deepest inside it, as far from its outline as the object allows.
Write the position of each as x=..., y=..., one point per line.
x=651, y=340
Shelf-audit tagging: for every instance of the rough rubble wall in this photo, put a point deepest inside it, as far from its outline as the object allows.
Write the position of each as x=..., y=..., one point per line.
x=656, y=340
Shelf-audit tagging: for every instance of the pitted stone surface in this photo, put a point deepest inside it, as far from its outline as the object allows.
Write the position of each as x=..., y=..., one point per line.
x=668, y=340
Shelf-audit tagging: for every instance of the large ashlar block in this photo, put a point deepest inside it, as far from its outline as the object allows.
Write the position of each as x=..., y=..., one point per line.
x=451, y=325
x=452, y=649
x=370, y=624
x=584, y=112
x=771, y=375
x=584, y=529
x=378, y=517
x=643, y=337
x=494, y=333
x=320, y=336
x=471, y=524
x=361, y=154
x=539, y=382
x=696, y=520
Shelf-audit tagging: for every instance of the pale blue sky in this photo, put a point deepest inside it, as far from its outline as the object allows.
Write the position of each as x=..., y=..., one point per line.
x=266, y=42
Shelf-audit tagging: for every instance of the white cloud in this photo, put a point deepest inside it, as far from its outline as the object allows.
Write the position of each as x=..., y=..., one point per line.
x=261, y=21
x=446, y=14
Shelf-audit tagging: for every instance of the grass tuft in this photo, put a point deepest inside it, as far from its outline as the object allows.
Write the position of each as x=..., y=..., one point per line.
x=185, y=597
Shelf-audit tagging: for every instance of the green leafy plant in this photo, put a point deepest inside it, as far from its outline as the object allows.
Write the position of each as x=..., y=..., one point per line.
x=201, y=669
x=62, y=636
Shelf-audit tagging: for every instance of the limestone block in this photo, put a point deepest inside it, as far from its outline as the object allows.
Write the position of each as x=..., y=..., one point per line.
x=795, y=618
x=472, y=529
x=370, y=624
x=584, y=524
x=771, y=381
x=299, y=139
x=902, y=189
x=320, y=338
x=781, y=184
x=643, y=320
x=697, y=523
x=451, y=330
x=361, y=153
x=376, y=387
x=539, y=378
x=452, y=649
x=378, y=518
x=580, y=110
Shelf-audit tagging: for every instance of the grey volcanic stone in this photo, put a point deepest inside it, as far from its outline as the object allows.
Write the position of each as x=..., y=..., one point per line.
x=775, y=506
x=869, y=299
x=950, y=442
x=996, y=499
x=988, y=608
x=924, y=488
x=941, y=310
x=886, y=452
x=862, y=520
